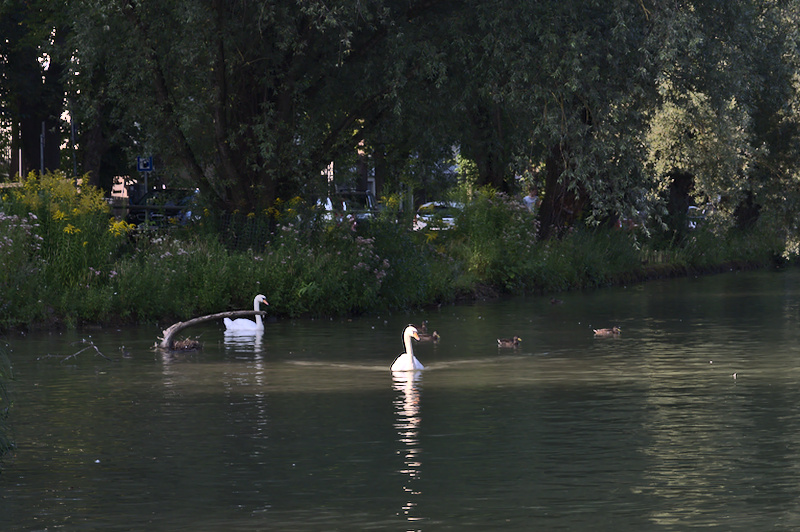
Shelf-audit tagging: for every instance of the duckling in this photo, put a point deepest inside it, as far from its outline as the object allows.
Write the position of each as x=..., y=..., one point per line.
x=424, y=336
x=187, y=344
x=613, y=331
x=509, y=342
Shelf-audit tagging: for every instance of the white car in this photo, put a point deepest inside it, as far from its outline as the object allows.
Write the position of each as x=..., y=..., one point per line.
x=696, y=216
x=436, y=215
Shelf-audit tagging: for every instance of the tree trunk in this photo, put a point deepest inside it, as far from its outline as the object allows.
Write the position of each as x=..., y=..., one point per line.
x=561, y=206
x=380, y=170
x=94, y=146
x=487, y=147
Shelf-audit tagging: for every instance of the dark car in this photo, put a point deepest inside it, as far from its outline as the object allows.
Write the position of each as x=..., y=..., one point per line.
x=361, y=204
x=354, y=205
x=163, y=207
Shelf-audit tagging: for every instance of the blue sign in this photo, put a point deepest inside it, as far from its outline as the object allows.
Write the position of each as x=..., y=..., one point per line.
x=144, y=164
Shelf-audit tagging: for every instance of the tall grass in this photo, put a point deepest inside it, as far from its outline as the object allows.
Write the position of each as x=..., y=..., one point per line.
x=56, y=237
x=69, y=262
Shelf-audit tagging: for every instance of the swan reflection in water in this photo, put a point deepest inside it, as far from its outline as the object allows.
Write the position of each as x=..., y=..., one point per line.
x=247, y=341
x=406, y=406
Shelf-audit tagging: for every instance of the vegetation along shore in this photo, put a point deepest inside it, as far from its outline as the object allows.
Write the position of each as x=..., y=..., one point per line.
x=68, y=262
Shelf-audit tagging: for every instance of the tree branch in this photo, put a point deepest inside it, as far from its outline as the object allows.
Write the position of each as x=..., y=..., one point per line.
x=170, y=332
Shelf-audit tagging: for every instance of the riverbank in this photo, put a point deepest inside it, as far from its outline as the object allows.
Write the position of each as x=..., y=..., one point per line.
x=168, y=278
x=69, y=266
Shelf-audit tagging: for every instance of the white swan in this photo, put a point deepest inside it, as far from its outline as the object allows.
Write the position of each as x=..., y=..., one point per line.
x=243, y=324
x=407, y=361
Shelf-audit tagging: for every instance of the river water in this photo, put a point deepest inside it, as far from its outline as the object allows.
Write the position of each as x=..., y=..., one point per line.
x=689, y=419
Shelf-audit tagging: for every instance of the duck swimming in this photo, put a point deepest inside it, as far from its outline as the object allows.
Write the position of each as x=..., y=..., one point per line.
x=613, y=331
x=509, y=342
x=424, y=336
x=432, y=337
x=407, y=361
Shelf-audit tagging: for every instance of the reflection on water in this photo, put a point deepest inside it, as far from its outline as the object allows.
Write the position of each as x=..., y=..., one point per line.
x=297, y=428
x=407, y=410
x=236, y=341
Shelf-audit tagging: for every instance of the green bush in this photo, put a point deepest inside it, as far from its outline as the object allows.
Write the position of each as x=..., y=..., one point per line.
x=20, y=275
x=417, y=272
x=495, y=238
x=99, y=271
x=73, y=223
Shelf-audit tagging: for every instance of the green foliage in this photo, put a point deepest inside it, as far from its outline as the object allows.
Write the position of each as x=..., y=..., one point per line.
x=418, y=272
x=309, y=267
x=249, y=101
x=589, y=259
x=72, y=223
x=20, y=254
x=341, y=275
x=687, y=134
x=176, y=278
x=55, y=235
x=494, y=238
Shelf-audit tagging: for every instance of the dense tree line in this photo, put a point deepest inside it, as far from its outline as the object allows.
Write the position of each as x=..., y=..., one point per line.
x=615, y=107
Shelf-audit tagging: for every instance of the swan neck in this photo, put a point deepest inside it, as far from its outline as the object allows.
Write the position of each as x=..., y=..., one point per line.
x=257, y=307
x=409, y=346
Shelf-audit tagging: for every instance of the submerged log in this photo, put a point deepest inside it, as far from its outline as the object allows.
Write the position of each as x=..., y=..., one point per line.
x=169, y=333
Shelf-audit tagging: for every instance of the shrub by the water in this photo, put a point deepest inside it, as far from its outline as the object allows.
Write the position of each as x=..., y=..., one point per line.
x=56, y=237
x=67, y=260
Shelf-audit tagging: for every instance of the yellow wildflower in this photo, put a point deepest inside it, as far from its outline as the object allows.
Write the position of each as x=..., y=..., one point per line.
x=119, y=227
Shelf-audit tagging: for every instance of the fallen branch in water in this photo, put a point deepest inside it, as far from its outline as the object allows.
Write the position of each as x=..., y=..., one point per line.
x=168, y=344
x=89, y=346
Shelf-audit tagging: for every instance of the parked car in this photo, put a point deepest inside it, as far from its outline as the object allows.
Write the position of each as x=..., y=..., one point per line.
x=349, y=205
x=361, y=204
x=696, y=216
x=163, y=207
x=436, y=215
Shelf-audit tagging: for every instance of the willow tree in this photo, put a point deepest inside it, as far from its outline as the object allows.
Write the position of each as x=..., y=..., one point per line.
x=248, y=100
x=724, y=119
x=585, y=82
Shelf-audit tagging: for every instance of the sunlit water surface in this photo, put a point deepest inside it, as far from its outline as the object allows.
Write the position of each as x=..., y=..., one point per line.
x=689, y=420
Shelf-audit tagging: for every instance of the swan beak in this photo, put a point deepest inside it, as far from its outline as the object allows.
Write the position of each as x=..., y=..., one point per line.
x=265, y=302
x=415, y=336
